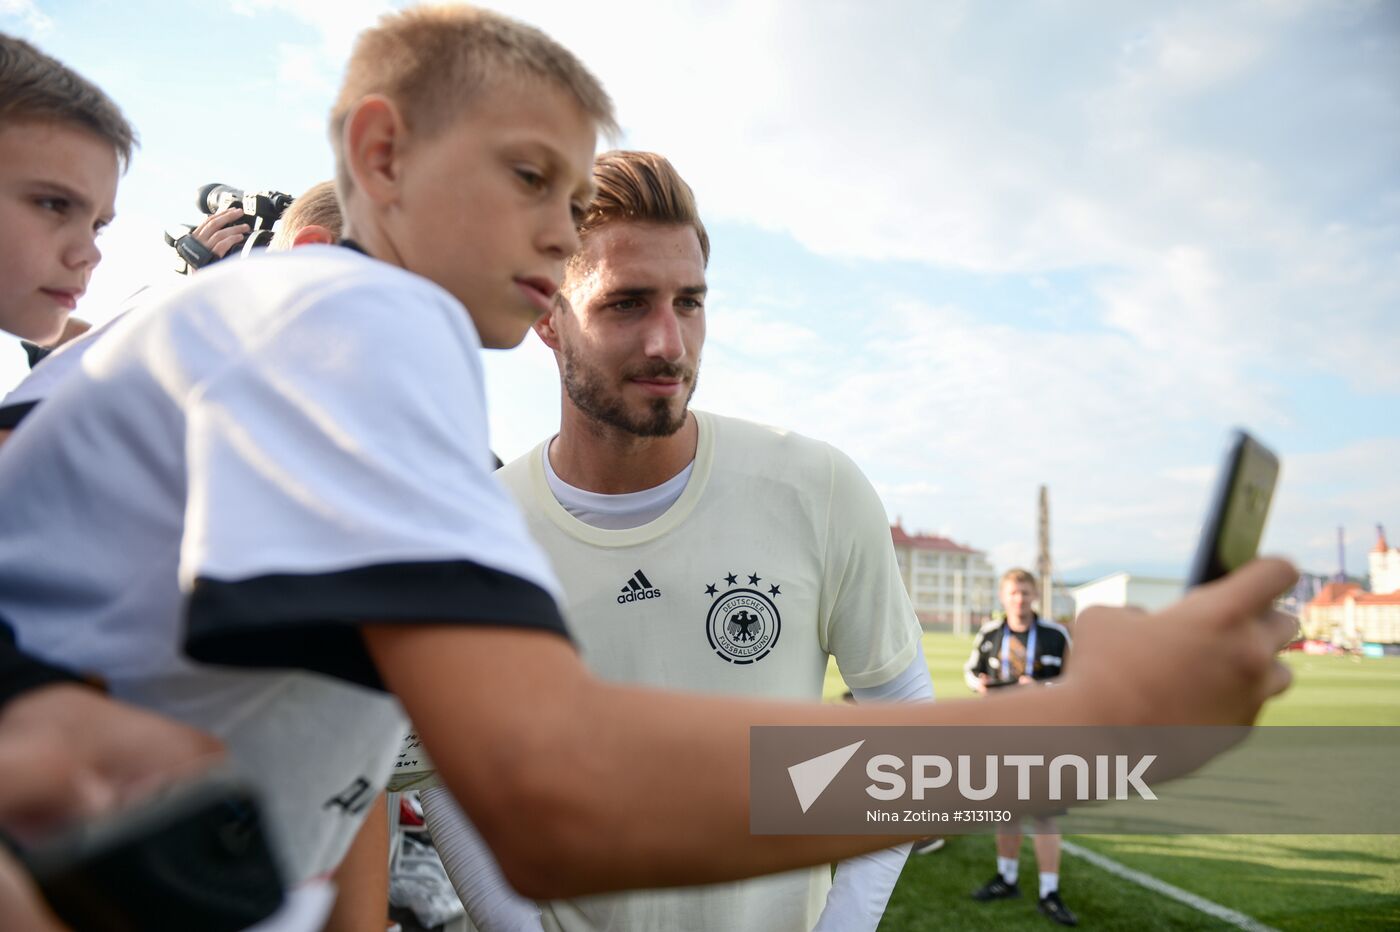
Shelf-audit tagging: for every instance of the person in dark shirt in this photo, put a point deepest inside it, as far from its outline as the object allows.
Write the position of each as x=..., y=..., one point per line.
x=1021, y=649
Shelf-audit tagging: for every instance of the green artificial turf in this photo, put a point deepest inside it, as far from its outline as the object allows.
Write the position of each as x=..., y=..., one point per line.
x=1289, y=882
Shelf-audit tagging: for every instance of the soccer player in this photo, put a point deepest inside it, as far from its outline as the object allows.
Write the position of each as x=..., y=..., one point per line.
x=1021, y=650
x=289, y=531
x=696, y=552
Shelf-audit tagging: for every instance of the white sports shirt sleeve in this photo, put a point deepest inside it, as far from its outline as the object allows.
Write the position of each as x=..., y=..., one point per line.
x=869, y=624
x=873, y=633
x=862, y=885
x=491, y=903
x=356, y=488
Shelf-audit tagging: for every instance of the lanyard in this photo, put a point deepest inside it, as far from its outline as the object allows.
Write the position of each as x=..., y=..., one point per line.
x=1006, y=637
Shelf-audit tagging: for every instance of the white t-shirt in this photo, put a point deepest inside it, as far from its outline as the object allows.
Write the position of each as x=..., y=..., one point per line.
x=620, y=511
x=280, y=450
x=52, y=371
x=776, y=554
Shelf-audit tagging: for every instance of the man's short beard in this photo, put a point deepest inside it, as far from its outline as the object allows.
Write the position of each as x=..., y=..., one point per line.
x=586, y=388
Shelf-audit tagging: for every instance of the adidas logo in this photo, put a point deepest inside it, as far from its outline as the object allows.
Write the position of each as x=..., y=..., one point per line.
x=638, y=588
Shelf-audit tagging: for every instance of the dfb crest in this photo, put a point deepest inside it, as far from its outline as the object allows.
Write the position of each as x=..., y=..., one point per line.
x=743, y=623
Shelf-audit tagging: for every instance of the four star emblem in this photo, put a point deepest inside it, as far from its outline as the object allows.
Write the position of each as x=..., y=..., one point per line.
x=712, y=590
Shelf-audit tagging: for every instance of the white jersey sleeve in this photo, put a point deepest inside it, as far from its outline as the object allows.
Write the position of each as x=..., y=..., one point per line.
x=492, y=904
x=869, y=623
x=354, y=488
x=863, y=884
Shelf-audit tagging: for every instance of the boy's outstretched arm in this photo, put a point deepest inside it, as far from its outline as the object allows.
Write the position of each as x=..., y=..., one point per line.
x=579, y=786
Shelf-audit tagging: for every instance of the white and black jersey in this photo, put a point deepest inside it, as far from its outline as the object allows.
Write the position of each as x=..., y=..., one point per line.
x=21, y=673
x=1042, y=648
x=56, y=367
x=232, y=482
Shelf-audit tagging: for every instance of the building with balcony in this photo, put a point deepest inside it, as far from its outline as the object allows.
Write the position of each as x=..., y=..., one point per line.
x=951, y=585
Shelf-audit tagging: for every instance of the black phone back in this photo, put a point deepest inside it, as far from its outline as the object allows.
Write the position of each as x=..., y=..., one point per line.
x=1238, y=507
x=195, y=858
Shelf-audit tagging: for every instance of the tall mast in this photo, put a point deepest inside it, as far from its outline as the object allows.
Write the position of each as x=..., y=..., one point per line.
x=1043, y=566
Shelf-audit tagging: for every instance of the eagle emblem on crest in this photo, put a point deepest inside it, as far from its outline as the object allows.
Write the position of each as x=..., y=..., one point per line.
x=743, y=623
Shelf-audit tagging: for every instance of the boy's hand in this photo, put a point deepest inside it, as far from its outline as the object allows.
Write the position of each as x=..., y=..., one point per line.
x=70, y=752
x=1209, y=659
x=217, y=236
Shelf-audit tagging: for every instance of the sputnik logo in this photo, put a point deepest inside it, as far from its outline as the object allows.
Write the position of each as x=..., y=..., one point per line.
x=811, y=777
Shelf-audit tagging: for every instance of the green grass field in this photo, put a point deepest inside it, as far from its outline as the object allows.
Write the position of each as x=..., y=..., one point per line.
x=1293, y=882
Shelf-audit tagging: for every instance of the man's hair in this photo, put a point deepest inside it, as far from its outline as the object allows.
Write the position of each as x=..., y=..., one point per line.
x=431, y=61
x=35, y=86
x=1017, y=575
x=641, y=187
x=318, y=205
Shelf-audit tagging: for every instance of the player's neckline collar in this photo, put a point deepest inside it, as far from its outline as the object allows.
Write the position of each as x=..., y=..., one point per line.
x=628, y=537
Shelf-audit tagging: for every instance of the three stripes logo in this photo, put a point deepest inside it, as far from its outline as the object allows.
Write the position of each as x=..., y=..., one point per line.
x=638, y=588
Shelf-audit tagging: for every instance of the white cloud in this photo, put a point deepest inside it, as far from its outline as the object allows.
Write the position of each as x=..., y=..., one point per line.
x=302, y=69
x=950, y=137
x=27, y=13
x=337, y=21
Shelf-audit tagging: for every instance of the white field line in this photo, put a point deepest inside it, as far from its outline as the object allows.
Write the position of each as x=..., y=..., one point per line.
x=1224, y=914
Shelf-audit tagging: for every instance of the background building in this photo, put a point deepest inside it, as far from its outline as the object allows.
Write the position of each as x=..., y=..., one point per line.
x=1062, y=607
x=1385, y=565
x=1344, y=613
x=1347, y=615
x=951, y=586
x=1118, y=589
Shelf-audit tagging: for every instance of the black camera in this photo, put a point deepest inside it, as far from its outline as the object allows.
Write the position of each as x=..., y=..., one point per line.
x=261, y=210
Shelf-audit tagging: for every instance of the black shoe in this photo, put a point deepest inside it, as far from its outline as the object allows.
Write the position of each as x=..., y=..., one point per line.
x=996, y=889
x=1051, y=905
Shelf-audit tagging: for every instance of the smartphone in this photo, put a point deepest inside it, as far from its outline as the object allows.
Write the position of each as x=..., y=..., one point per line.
x=1238, y=506
x=194, y=857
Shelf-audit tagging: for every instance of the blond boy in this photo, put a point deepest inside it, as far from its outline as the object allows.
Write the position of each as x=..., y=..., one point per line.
x=297, y=484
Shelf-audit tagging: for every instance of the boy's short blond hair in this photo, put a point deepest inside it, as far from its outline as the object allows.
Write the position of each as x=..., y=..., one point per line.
x=641, y=187
x=432, y=60
x=318, y=206
x=38, y=87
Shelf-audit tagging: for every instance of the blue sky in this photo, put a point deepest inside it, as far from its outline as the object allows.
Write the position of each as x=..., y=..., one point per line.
x=977, y=246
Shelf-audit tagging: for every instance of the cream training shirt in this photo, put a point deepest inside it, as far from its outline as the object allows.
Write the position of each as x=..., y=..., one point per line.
x=776, y=554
